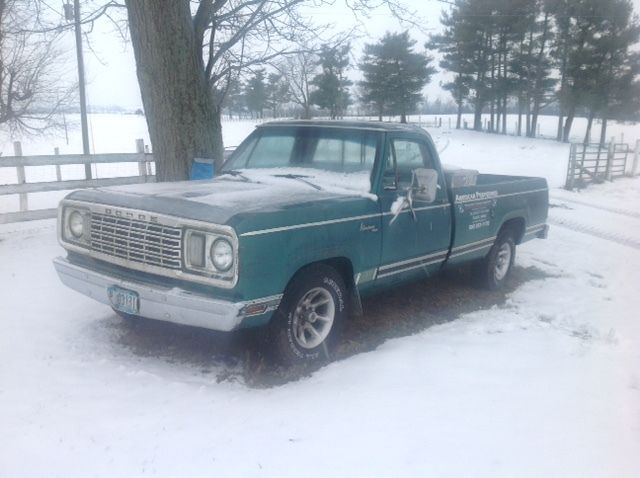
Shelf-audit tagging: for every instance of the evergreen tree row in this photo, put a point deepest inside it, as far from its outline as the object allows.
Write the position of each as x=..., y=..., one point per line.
x=576, y=53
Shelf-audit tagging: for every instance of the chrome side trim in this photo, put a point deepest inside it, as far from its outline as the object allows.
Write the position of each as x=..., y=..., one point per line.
x=410, y=261
x=410, y=267
x=542, y=225
x=222, y=281
x=465, y=246
x=469, y=251
x=308, y=224
x=336, y=221
x=417, y=209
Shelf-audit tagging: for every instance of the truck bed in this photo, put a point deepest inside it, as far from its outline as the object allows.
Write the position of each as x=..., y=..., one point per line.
x=481, y=210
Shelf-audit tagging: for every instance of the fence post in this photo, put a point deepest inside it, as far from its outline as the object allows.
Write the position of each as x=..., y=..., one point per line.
x=634, y=167
x=571, y=168
x=610, y=155
x=142, y=165
x=56, y=151
x=17, y=151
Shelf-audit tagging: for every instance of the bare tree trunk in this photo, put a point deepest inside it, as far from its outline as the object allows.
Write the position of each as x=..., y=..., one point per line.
x=459, y=117
x=603, y=131
x=587, y=135
x=560, y=118
x=567, y=124
x=180, y=114
x=504, y=114
x=520, y=111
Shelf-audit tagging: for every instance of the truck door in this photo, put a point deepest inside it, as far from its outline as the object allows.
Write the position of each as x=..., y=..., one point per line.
x=411, y=246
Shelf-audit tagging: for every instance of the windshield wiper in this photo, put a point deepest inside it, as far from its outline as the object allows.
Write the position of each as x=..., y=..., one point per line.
x=298, y=177
x=237, y=174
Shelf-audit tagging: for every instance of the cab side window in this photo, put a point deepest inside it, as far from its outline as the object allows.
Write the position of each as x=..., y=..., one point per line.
x=403, y=156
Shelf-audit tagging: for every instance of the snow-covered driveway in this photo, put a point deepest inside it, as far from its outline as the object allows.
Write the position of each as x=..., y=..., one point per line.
x=546, y=384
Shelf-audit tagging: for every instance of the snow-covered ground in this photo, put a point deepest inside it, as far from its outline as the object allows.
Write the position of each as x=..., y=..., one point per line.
x=545, y=384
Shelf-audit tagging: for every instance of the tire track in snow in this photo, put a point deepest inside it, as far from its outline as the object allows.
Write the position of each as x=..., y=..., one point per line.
x=594, y=231
x=623, y=212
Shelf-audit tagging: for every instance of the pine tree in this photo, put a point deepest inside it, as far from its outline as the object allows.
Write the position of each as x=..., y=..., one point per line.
x=455, y=46
x=332, y=86
x=277, y=91
x=394, y=74
x=594, y=51
x=235, y=100
x=256, y=93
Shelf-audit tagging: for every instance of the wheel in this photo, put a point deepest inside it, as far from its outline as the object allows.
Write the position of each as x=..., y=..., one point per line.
x=311, y=315
x=492, y=271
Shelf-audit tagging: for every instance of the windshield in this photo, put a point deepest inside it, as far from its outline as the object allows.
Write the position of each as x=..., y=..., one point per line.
x=307, y=150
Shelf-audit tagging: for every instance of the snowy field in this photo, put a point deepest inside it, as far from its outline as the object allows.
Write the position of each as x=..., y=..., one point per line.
x=544, y=381
x=487, y=152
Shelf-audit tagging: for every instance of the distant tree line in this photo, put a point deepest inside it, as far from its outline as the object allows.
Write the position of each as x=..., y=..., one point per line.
x=316, y=78
x=576, y=54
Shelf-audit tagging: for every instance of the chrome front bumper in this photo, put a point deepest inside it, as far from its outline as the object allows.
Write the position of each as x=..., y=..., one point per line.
x=170, y=304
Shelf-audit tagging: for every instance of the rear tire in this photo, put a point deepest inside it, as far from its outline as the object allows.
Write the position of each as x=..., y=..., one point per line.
x=309, y=321
x=492, y=271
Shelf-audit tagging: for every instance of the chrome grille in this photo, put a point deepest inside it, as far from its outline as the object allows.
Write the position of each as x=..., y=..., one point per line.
x=138, y=241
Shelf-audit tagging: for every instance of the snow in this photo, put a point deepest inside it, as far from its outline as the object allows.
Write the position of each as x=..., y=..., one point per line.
x=545, y=384
x=397, y=205
x=358, y=183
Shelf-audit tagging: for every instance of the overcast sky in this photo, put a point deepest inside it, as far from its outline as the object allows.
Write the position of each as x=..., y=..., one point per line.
x=110, y=67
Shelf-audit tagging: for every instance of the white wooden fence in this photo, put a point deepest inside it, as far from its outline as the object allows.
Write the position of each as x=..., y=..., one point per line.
x=22, y=188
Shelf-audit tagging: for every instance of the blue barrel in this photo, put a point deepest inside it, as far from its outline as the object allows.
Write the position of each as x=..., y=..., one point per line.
x=202, y=168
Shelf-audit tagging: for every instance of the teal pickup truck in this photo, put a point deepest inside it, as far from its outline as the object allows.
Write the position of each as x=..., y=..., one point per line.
x=305, y=218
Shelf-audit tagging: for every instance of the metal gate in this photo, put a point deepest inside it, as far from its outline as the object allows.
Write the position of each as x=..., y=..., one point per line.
x=595, y=163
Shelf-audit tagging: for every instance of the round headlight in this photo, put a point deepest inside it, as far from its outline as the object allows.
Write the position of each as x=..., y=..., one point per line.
x=76, y=224
x=222, y=255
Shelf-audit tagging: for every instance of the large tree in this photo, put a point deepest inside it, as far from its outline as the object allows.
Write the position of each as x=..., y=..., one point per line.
x=394, y=74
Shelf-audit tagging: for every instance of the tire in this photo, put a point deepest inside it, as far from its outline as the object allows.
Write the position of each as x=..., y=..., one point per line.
x=311, y=316
x=492, y=271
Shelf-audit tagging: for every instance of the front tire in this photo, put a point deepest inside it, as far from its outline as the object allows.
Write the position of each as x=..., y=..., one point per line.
x=309, y=321
x=493, y=271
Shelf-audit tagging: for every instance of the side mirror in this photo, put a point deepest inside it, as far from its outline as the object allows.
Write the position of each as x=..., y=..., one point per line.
x=424, y=187
x=424, y=184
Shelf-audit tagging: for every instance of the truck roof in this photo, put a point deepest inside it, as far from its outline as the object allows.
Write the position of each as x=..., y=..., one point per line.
x=347, y=124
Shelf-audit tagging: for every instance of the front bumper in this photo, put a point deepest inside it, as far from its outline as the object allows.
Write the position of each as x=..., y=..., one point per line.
x=170, y=304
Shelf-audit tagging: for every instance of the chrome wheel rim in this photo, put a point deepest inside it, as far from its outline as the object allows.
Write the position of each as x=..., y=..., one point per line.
x=503, y=261
x=313, y=318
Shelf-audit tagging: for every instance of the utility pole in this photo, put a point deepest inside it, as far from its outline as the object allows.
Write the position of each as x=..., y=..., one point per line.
x=75, y=15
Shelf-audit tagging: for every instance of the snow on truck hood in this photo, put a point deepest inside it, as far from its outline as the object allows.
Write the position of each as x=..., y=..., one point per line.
x=264, y=185
x=252, y=191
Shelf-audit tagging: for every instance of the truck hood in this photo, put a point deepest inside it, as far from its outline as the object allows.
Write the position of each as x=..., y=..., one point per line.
x=231, y=200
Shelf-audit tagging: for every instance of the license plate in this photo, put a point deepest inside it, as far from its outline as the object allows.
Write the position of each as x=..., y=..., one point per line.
x=123, y=300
